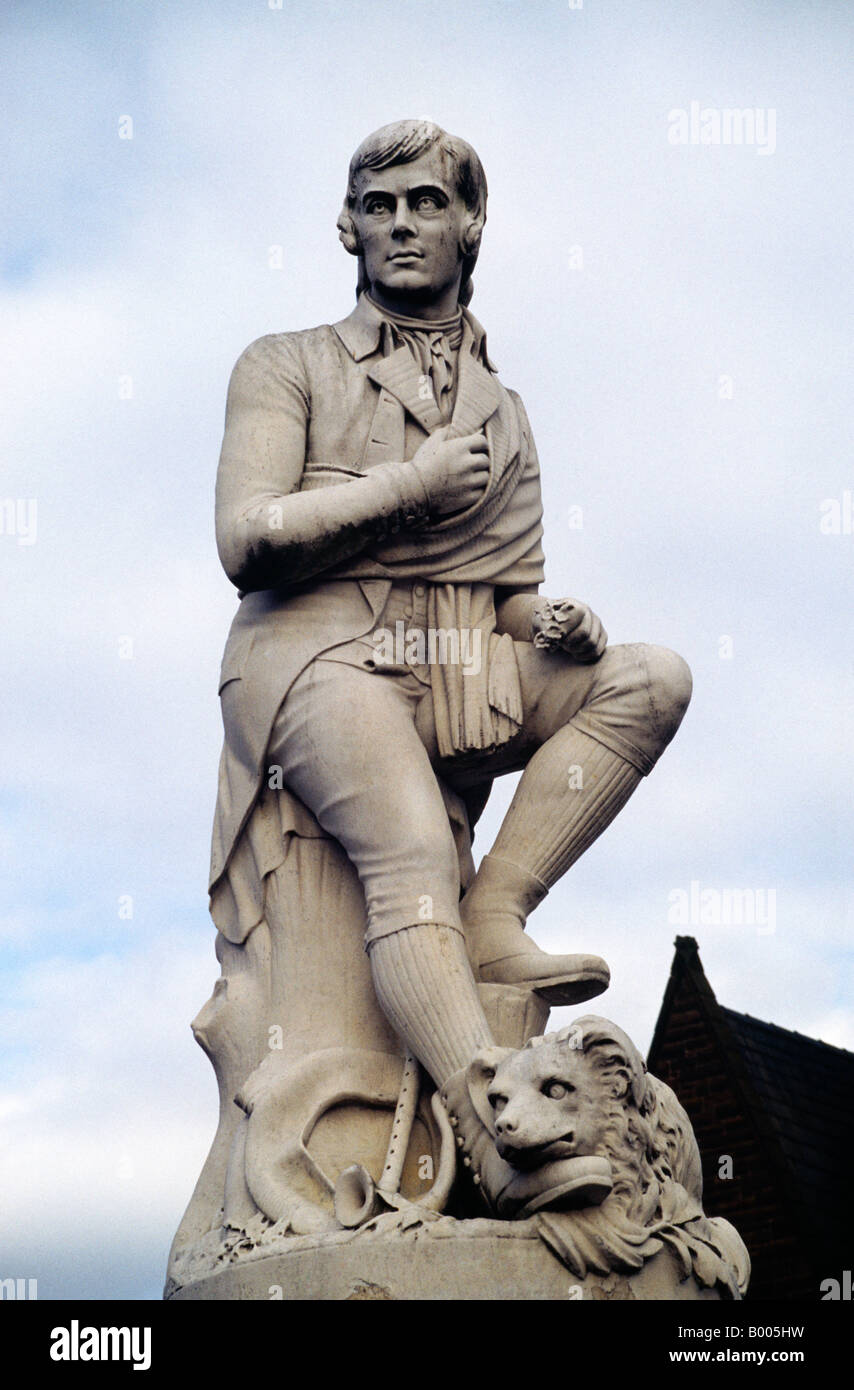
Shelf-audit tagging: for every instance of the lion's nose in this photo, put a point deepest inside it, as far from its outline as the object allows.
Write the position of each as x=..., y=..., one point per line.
x=506, y=1126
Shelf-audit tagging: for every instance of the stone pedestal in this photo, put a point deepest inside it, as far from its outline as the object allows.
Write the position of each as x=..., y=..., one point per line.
x=336, y=1172
x=476, y=1260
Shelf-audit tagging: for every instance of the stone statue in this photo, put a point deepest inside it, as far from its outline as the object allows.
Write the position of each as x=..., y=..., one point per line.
x=378, y=507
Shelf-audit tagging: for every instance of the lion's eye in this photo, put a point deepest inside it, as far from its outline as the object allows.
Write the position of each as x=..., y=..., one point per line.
x=497, y=1101
x=556, y=1090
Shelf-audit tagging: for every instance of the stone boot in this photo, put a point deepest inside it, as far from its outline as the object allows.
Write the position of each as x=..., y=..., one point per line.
x=494, y=912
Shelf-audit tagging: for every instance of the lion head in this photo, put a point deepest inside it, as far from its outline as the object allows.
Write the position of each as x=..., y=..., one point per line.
x=585, y=1091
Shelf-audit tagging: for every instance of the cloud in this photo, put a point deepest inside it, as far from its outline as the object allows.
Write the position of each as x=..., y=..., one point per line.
x=145, y=263
x=109, y=1114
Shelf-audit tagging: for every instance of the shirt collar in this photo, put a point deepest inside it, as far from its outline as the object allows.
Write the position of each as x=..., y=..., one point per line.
x=360, y=332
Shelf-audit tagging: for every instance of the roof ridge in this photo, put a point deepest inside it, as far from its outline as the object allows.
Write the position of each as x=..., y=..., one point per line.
x=788, y=1032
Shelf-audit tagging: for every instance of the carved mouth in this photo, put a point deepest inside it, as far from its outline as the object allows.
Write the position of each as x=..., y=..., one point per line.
x=535, y=1155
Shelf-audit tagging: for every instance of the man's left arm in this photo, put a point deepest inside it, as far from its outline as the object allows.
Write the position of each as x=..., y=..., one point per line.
x=554, y=625
x=515, y=610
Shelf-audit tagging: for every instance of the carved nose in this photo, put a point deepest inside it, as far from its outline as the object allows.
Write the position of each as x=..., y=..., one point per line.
x=504, y=1126
x=403, y=225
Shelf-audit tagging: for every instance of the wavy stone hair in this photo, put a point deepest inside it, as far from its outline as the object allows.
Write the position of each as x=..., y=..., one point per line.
x=401, y=143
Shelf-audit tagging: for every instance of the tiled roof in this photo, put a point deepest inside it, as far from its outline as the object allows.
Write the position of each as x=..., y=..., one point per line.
x=806, y=1089
x=799, y=1093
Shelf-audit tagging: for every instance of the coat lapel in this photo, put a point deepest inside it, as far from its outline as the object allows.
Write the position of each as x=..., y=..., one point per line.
x=399, y=374
x=478, y=393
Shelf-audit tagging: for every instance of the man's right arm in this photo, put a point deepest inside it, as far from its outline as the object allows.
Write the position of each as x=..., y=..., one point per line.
x=268, y=532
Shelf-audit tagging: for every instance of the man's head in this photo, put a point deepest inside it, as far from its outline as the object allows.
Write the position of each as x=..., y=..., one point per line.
x=413, y=214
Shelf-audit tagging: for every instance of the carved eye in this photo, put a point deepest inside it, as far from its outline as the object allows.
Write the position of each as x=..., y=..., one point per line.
x=497, y=1101
x=556, y=1090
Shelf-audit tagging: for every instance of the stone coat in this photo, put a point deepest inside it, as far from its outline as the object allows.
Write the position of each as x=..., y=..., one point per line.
x=321, y=406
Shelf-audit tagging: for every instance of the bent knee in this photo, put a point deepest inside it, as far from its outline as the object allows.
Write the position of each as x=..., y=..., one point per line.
x=411, y=849
x=670, y=684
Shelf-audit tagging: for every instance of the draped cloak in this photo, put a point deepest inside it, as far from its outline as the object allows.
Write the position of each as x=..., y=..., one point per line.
x=331, y=393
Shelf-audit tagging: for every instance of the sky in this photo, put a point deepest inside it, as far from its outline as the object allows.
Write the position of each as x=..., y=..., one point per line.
x=674, y=309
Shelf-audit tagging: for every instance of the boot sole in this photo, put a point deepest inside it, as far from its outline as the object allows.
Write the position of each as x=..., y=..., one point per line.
x=570, y=989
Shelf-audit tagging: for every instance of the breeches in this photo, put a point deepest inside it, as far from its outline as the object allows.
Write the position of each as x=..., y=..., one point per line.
x=359, y=749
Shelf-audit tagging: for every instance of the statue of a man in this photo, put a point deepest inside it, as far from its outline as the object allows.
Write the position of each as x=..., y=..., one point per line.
x=377, y=479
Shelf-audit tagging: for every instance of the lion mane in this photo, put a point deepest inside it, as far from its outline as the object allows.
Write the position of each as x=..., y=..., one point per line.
x=656, y=1198
x=647, y=1136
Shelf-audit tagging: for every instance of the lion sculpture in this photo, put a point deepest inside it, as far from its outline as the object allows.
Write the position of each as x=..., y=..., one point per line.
x=584, y=1093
